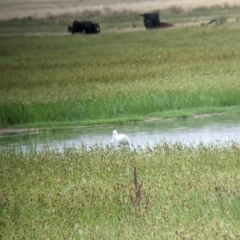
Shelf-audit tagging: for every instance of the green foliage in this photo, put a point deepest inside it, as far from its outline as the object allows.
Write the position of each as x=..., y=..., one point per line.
x=168, y=192
x=117, y=75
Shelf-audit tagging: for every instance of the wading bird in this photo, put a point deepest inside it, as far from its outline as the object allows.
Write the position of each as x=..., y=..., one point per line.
x=120, y=138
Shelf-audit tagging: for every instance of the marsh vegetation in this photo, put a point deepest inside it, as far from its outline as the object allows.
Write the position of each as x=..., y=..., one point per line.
x=173, y=192
x=169, y=191
x=117, y=76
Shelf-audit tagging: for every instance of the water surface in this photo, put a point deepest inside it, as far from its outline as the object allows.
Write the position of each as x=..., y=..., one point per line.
x=220, y=130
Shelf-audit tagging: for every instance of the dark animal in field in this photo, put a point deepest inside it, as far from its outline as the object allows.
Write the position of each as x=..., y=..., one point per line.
x=152, y=21
x=84, y=27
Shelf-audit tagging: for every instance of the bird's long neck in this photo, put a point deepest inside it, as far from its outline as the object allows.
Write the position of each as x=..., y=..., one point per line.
x=114, y=136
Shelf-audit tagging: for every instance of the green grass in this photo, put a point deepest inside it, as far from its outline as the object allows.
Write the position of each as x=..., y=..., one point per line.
x=118, y=76
x=177, y=192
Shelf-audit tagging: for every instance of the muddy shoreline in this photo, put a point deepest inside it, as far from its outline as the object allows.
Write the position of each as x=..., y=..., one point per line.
x=5, y=131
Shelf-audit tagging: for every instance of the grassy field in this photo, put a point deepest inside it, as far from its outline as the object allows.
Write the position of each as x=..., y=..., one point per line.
x=173, y=192
x=117, y=76
x=49, y=78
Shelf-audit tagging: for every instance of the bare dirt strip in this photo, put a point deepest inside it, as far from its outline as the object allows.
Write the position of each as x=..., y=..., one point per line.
x=40, y=9
x=4, y=131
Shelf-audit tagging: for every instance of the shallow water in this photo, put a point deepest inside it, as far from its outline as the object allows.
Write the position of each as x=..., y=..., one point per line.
x=220, y=130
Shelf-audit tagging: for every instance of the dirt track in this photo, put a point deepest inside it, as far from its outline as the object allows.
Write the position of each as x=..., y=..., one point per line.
x=39, y=9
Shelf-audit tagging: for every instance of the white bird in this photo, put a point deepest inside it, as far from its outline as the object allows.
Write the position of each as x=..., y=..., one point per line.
x=120, y=138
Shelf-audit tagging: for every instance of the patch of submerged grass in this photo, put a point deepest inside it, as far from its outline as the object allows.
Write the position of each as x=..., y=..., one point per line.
x=174, y=192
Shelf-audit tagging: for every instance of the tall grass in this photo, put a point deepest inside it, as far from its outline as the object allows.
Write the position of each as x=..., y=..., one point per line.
x=170, y=191
x=73, y=110
x=69, y=78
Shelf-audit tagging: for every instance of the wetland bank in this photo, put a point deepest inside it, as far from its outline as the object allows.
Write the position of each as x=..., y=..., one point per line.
x=64, y=80
x=169, y=191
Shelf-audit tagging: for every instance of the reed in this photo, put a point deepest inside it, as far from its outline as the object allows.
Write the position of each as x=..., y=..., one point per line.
x=75, y=110
x=168, y=191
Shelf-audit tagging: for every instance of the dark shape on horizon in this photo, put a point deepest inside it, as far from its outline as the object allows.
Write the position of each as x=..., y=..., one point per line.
x=165, y=25
x=84, y=27
x=152, y=21
x=213, y=21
